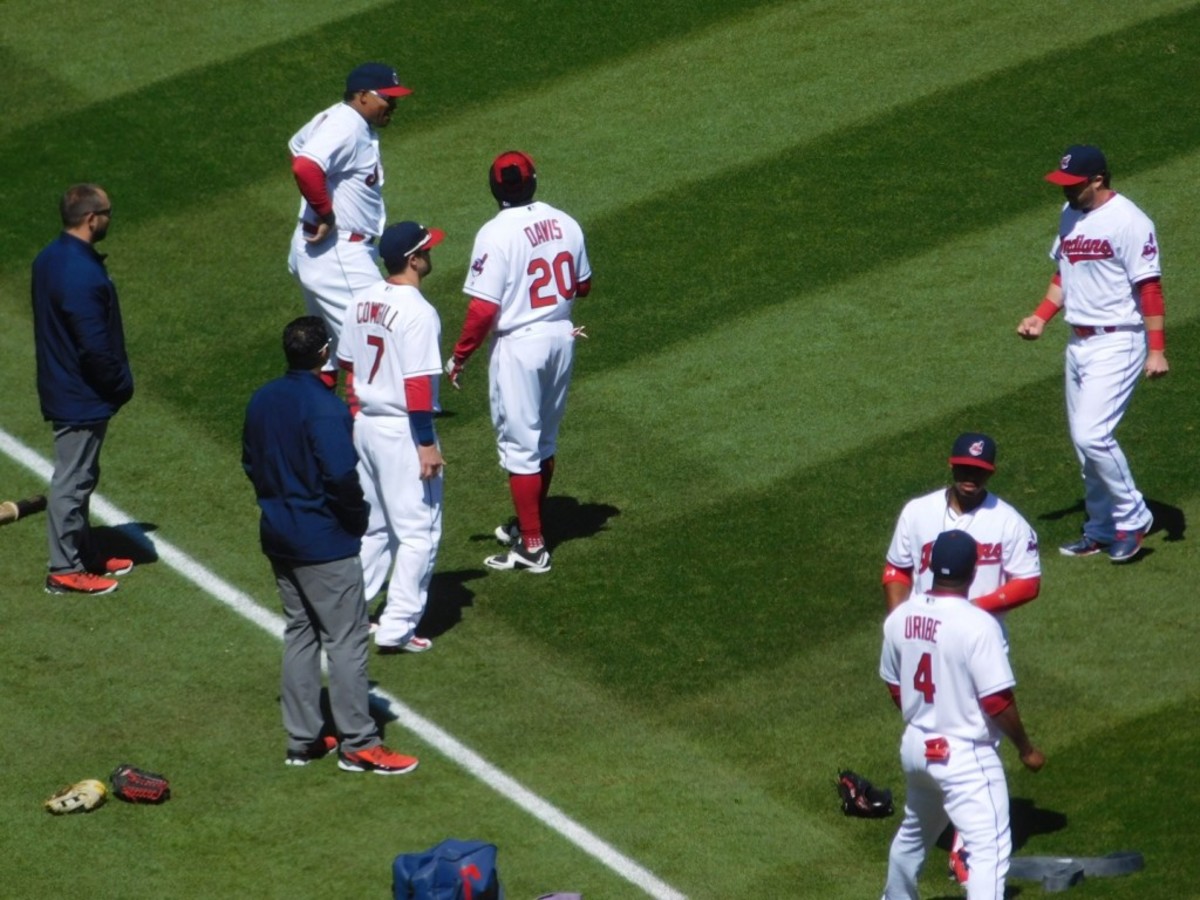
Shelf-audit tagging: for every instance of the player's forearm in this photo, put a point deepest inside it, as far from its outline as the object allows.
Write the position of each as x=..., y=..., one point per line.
x=1053, y=301
x=1012, y=594
x=481, y=316
x=1154, y=313
x=1008, y=720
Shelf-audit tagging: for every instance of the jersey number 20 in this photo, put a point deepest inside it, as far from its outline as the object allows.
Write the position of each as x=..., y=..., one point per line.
x=561, y=271
x=923, y=678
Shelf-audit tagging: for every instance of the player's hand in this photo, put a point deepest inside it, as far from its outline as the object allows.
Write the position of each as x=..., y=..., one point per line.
x=431, y=461
x=454, y=368
x=1156, y=364
x=1031, y=327
x=1033, y=759
x=324, y=230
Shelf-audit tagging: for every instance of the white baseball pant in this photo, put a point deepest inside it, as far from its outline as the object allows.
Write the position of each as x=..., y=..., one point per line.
x=1101, y=372
x=404, y=526
x=529, y=373
x=330, y=274
x=969, y=790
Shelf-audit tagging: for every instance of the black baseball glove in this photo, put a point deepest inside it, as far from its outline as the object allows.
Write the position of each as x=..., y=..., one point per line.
x=861, y=798
x=135, y=785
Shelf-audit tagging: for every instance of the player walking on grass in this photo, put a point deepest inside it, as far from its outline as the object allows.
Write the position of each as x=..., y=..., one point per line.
x=299, y=455
x=528, y=264
x=391, y=340
x=83, y=378
x=946, y=668
x=338, y=168
x=1109, y=286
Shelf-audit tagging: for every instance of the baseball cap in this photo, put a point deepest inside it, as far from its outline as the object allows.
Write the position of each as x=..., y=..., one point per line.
x=1079, y=163
x=402, y=240
x=512, y=177
x=953, y=555
x=972, y=449
x=377, y=77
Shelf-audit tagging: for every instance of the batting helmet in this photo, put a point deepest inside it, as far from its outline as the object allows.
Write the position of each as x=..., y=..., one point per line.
x=512, y=178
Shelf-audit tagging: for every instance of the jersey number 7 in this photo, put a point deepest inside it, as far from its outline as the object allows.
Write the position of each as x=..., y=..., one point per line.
x=561, y=271
x=923, y=678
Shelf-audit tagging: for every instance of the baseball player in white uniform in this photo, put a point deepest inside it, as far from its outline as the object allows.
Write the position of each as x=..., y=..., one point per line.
x=1109, y=285
x=1010, y=571
x=944, y=663
x=390, y=342
x=528, y=264
x=337, y=166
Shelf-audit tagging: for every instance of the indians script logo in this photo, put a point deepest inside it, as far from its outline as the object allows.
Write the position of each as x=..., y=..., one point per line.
x=987, y=555
x=477, y=265
x=1150, y=248
x=1084, y=248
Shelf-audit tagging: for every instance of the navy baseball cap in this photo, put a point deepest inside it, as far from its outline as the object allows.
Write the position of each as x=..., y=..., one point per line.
x=953, y=556
x=972, y=449
x=402, y=240
x=1078, y=164
x=376, y=77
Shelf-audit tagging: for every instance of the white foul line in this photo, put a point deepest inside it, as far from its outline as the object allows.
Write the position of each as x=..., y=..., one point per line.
x=422, y=727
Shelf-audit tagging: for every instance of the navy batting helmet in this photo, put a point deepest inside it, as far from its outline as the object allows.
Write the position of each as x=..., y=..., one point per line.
x=512, y=178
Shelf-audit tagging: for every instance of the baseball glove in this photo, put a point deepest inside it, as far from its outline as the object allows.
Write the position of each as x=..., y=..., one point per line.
x=135, y=785
x=82, y=796
x=861, y=798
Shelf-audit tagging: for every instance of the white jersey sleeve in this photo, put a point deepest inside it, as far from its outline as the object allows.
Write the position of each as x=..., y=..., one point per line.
x=529, y=261
x=390, y=333
x=945, y=654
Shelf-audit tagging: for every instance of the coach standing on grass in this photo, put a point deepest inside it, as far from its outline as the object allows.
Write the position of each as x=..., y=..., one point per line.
x=298, y=453
x=83, y=378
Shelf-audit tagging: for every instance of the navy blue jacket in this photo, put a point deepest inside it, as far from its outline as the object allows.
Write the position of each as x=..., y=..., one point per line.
x=83, y=373
x=298, y=451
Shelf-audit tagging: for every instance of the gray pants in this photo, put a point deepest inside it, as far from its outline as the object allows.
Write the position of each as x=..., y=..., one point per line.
x=324, y=608
x=76, y=474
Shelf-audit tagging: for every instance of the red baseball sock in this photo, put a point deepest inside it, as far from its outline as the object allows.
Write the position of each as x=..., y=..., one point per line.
x=526, y=493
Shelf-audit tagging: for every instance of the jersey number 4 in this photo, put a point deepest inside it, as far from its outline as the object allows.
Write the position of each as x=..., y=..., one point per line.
x=561, y=271
x=923, y=678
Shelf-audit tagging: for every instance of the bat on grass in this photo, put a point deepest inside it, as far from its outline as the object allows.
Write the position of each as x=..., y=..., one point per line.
x=11, y=510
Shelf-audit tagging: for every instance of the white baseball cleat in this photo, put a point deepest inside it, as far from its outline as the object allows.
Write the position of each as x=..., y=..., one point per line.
x=536, y=561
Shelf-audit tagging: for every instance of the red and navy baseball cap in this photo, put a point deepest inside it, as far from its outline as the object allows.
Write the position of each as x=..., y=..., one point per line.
x=1080, y=163
x=512, y=178
x=974, y=449
x=402, y=240
x=376, y=77
x=953, y=555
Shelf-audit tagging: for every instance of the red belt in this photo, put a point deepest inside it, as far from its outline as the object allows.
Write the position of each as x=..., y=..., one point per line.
x=354, y=238
x=1090, y=330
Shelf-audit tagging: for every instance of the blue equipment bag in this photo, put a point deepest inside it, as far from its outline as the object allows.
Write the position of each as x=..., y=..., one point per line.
x=453, y=870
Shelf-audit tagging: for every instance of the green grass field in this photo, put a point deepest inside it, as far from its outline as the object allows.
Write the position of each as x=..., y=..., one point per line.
x=814, y=227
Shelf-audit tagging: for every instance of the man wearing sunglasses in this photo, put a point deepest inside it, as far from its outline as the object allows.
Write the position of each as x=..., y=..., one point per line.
x=338, y=168
x=83, y=378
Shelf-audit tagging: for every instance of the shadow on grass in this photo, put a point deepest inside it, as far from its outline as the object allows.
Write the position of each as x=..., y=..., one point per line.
x=448, y=596
x=567, y=519
x=130, y=541
x=1169, y=520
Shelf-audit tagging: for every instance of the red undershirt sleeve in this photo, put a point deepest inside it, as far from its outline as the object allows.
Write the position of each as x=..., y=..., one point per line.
x=1014, y=593
x=996, y=703
x=310, y=178
x=481, y=316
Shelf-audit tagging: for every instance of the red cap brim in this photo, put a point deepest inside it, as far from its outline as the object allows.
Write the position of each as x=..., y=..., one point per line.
x=972, y=462
x=1065, y=179
x=398, y=90
x=436, y=236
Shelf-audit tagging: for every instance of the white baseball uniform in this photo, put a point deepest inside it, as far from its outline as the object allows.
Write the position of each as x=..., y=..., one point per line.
x=529, y=260
x=346, y=147
x=1101, y=255
x=945, y=654
x=391, y=333
x=1008, y=545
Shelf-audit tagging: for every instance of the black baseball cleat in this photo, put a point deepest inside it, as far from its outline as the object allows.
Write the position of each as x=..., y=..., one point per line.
x=508, y=533
x=1085, y=546
x=517, y=557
